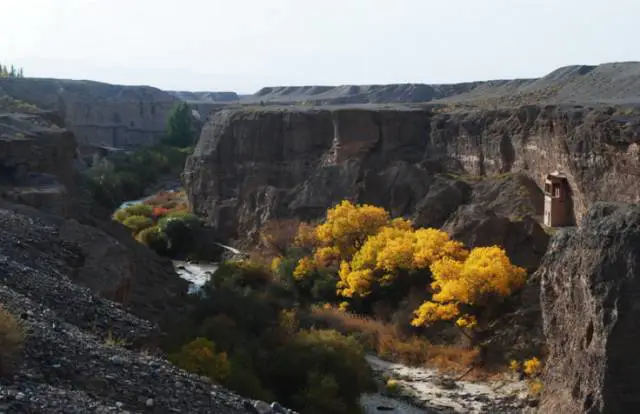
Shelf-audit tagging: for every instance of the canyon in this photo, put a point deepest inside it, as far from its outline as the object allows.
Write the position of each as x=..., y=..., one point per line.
x=469, y=158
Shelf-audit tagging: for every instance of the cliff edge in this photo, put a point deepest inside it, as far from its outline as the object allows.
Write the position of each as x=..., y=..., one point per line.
x=254, y=164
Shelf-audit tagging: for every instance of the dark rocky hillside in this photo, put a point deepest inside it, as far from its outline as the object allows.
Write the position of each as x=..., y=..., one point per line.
x=69, y=365
x=93, y=302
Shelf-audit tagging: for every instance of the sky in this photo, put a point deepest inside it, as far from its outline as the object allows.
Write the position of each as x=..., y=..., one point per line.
x=243, y=45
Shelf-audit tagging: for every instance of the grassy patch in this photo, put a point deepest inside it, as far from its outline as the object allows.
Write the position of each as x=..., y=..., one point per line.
x=11, y=340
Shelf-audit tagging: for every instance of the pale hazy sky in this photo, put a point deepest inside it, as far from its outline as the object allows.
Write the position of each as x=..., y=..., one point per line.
x=242, y=45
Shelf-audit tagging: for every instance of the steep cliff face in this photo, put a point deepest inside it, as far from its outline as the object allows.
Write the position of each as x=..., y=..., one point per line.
x=590, y=287
x=36, y=159
x=254, y=164
x=98, y=113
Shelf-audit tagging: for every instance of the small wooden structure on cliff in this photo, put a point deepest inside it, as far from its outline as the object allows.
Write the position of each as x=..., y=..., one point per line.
x=557, y=200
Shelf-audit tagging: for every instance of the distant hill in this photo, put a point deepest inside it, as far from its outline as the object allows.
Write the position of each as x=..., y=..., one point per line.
x=613, y=83
x=206, y=96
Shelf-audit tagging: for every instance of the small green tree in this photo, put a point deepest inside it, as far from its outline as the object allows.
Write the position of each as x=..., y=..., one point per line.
x=180, y=131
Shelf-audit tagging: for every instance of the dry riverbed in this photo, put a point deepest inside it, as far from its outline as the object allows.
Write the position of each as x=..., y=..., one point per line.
x=423, y=390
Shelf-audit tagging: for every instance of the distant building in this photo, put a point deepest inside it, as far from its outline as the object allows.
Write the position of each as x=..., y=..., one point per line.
x=557, y=201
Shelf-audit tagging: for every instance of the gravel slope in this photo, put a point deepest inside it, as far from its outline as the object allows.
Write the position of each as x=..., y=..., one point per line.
x=68, y=365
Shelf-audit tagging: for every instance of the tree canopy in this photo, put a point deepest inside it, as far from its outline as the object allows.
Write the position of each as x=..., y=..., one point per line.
x=369, y=251
x=180, y=131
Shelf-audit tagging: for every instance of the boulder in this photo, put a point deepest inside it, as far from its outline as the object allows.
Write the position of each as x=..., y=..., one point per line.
x=524, y=240
x=590, y=282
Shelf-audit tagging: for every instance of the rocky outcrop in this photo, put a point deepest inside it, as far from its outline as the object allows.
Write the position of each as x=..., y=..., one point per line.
x=98, y=113
x=590, y=287
x=73, y=358
x=36, y=159
x=524, y=240
x=254, y=164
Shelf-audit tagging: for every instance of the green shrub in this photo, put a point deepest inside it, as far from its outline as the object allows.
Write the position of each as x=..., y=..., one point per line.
x=322, y=395
x=154, y=238
x=139, y=209
x=137, y=223
x=11, y=341
x=199, y=356
x=133, y=210
x=321, y=365
x=121, y=215
x=180, y=229
x=111, y=182
x=243, y=380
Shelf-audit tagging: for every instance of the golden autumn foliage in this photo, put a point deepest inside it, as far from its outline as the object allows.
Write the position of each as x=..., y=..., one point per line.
x=485, y=273
x=369, y=250
x=532, y=367
x=395, y=248
x=304, y=268
x=347, y=226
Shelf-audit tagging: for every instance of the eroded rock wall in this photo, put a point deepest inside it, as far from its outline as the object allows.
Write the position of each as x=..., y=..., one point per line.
x=253, y=164
x=590, y=284
x=99, y=113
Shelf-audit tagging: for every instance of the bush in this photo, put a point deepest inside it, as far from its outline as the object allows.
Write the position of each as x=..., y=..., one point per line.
x=153, y=238
x=243, y=380
x=199, y=356
x=322, y=369
x=133, y=210
x=11, y=341
x=392, y=386
x=137, y=223
x=387, y=341
x=112, y=182
x=179, y=228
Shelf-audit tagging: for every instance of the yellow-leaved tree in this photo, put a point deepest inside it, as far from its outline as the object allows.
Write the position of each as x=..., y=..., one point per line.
x=339, y=237
x=484, y=274
x=396, y=248
x=369, y=250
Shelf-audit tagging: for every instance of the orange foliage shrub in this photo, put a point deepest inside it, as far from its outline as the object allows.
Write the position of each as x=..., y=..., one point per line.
x=388, y=341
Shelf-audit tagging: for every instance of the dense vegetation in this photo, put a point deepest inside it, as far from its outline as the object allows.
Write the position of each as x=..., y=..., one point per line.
x=246, y=333
x=112, y=181
x=295, y=320
x=120, y=178
x=163, y=223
